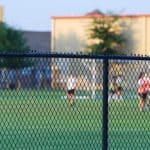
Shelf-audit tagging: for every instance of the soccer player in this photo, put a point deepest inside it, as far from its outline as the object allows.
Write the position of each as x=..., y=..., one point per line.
x=71, y=87
x=143, y=89
x=113, y=89
x=119, y=90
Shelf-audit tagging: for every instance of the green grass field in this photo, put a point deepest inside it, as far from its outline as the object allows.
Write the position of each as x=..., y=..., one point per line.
x=42, y=120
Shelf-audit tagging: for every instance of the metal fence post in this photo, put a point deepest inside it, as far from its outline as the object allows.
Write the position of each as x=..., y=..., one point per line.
x=105, y=105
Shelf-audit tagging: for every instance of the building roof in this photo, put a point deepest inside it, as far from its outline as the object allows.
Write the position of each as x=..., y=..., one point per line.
x=38, y=41
x=96, y=14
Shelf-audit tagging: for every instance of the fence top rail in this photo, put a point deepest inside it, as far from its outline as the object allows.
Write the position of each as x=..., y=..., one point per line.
x=80, y=56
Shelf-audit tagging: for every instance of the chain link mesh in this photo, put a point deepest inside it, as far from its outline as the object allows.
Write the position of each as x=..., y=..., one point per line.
x=128, y=127
x=56, y=104
x=35, y=112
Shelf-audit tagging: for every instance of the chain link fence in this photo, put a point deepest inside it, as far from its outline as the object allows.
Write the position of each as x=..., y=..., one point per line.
x=72, y=102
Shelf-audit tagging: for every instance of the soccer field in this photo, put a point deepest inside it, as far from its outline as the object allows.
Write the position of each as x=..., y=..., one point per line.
x=43, y=120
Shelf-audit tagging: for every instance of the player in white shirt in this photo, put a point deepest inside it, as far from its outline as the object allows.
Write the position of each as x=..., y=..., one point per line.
x=71, y=87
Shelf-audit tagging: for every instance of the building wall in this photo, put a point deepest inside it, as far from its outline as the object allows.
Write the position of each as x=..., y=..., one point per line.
x=148, y=35
x=137, y=35
x=69, y=34
x=1, y=13
x=38, y=40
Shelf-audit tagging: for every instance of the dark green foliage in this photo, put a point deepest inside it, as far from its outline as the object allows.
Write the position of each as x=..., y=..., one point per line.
x=107, y=33
x=12, y=41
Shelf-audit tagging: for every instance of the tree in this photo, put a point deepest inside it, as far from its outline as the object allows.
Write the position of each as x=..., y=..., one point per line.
x=11, y=40
x=106, y=35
